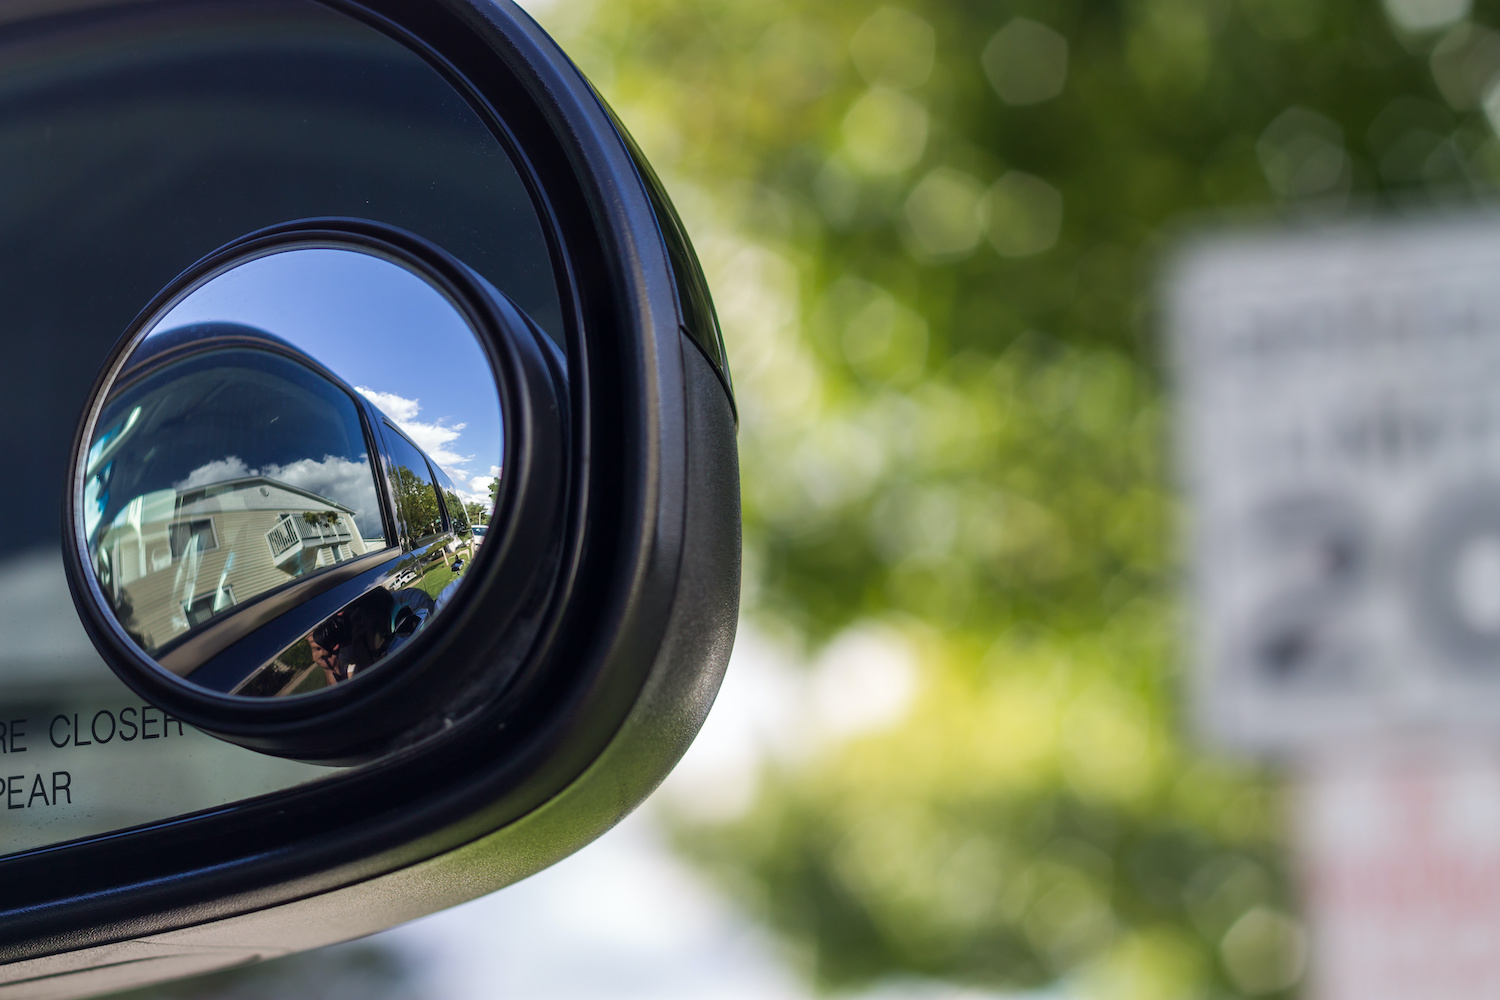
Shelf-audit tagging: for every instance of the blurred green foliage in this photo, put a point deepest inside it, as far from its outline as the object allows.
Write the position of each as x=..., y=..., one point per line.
x=933, y=229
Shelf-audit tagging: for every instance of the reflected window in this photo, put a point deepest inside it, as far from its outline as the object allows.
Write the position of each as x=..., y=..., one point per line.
x=457, y=512
x=267, y=479
x=201, y=609
x=412, y=486
x=185, y=534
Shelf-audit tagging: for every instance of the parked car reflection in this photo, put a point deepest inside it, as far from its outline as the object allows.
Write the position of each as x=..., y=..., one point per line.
x=243, y=501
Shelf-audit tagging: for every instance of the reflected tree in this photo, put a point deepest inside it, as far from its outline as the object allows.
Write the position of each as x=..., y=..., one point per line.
x=416, y=502
x=458, y=510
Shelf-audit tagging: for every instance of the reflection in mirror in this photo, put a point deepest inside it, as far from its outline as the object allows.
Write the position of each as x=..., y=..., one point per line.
x=356, y=637
x=256, y=506
x=220, y=477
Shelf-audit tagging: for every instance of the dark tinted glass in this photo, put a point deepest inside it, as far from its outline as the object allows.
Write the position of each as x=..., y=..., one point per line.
x=456, y=511
x=127, y=153
x=134, y=140
x=411, y=485
x=218, y=478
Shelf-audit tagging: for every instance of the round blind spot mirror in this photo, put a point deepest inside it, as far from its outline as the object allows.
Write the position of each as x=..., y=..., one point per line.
x=288, y=474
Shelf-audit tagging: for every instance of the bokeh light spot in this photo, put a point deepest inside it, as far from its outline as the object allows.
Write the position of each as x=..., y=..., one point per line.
x=1264, y=952
x=944, y=214
x=885, y=132
x=1417, y=16
x=1026, y=62
x=1025, y=215
x=1302, y=154
x=894, y=48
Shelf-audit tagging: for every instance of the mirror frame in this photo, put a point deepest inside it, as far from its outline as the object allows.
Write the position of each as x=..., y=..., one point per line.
x=633, y=642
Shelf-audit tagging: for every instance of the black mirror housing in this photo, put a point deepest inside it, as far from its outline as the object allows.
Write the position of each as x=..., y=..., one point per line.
x=549, y=733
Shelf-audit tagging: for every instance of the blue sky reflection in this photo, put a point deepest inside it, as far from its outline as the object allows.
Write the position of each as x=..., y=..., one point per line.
x=382, y=329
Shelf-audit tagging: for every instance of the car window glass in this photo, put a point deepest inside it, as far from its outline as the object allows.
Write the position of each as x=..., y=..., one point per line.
x=445, y=510
x=268, y=480
x=456, y=511
x=411, y=485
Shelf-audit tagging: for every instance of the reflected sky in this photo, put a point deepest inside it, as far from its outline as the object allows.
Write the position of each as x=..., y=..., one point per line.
x=383, y=330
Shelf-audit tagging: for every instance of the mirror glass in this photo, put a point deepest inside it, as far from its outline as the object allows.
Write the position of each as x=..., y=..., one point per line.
x=282, y=485
x=131, y=149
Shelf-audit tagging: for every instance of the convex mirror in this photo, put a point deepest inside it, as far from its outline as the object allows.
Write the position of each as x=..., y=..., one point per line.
x=248, y=470
x=261, y=509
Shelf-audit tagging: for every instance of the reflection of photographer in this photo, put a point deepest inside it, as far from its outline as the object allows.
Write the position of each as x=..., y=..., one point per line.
x=369, y=628
x=325, y=641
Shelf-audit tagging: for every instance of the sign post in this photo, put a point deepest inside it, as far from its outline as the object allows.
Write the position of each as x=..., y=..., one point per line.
x=1400, y=860
x=1339, y=411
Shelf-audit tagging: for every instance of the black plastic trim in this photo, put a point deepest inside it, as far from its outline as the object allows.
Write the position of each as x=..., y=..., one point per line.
x=700, y=320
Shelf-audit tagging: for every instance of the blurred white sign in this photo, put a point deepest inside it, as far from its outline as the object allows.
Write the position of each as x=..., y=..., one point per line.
x=1339, y=416
x=1401, y=876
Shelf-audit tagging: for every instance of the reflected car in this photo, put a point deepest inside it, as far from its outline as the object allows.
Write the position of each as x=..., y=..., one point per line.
x=293, y=537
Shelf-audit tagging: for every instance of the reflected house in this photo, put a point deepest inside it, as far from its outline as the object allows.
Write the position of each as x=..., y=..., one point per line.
x=175, y=558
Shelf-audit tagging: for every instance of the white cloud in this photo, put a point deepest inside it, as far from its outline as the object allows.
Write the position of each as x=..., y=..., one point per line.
x=434, y=438
x=481, y=484
x=217, y=471
x=349, y=483
x=479, y=487
x=338, y=479
x=398, y=408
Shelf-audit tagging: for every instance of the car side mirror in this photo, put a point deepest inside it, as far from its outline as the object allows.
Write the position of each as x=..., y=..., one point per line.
x=394, y=445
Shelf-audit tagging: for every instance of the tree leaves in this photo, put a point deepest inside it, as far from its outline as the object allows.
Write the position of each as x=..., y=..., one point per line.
x=932, y=230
